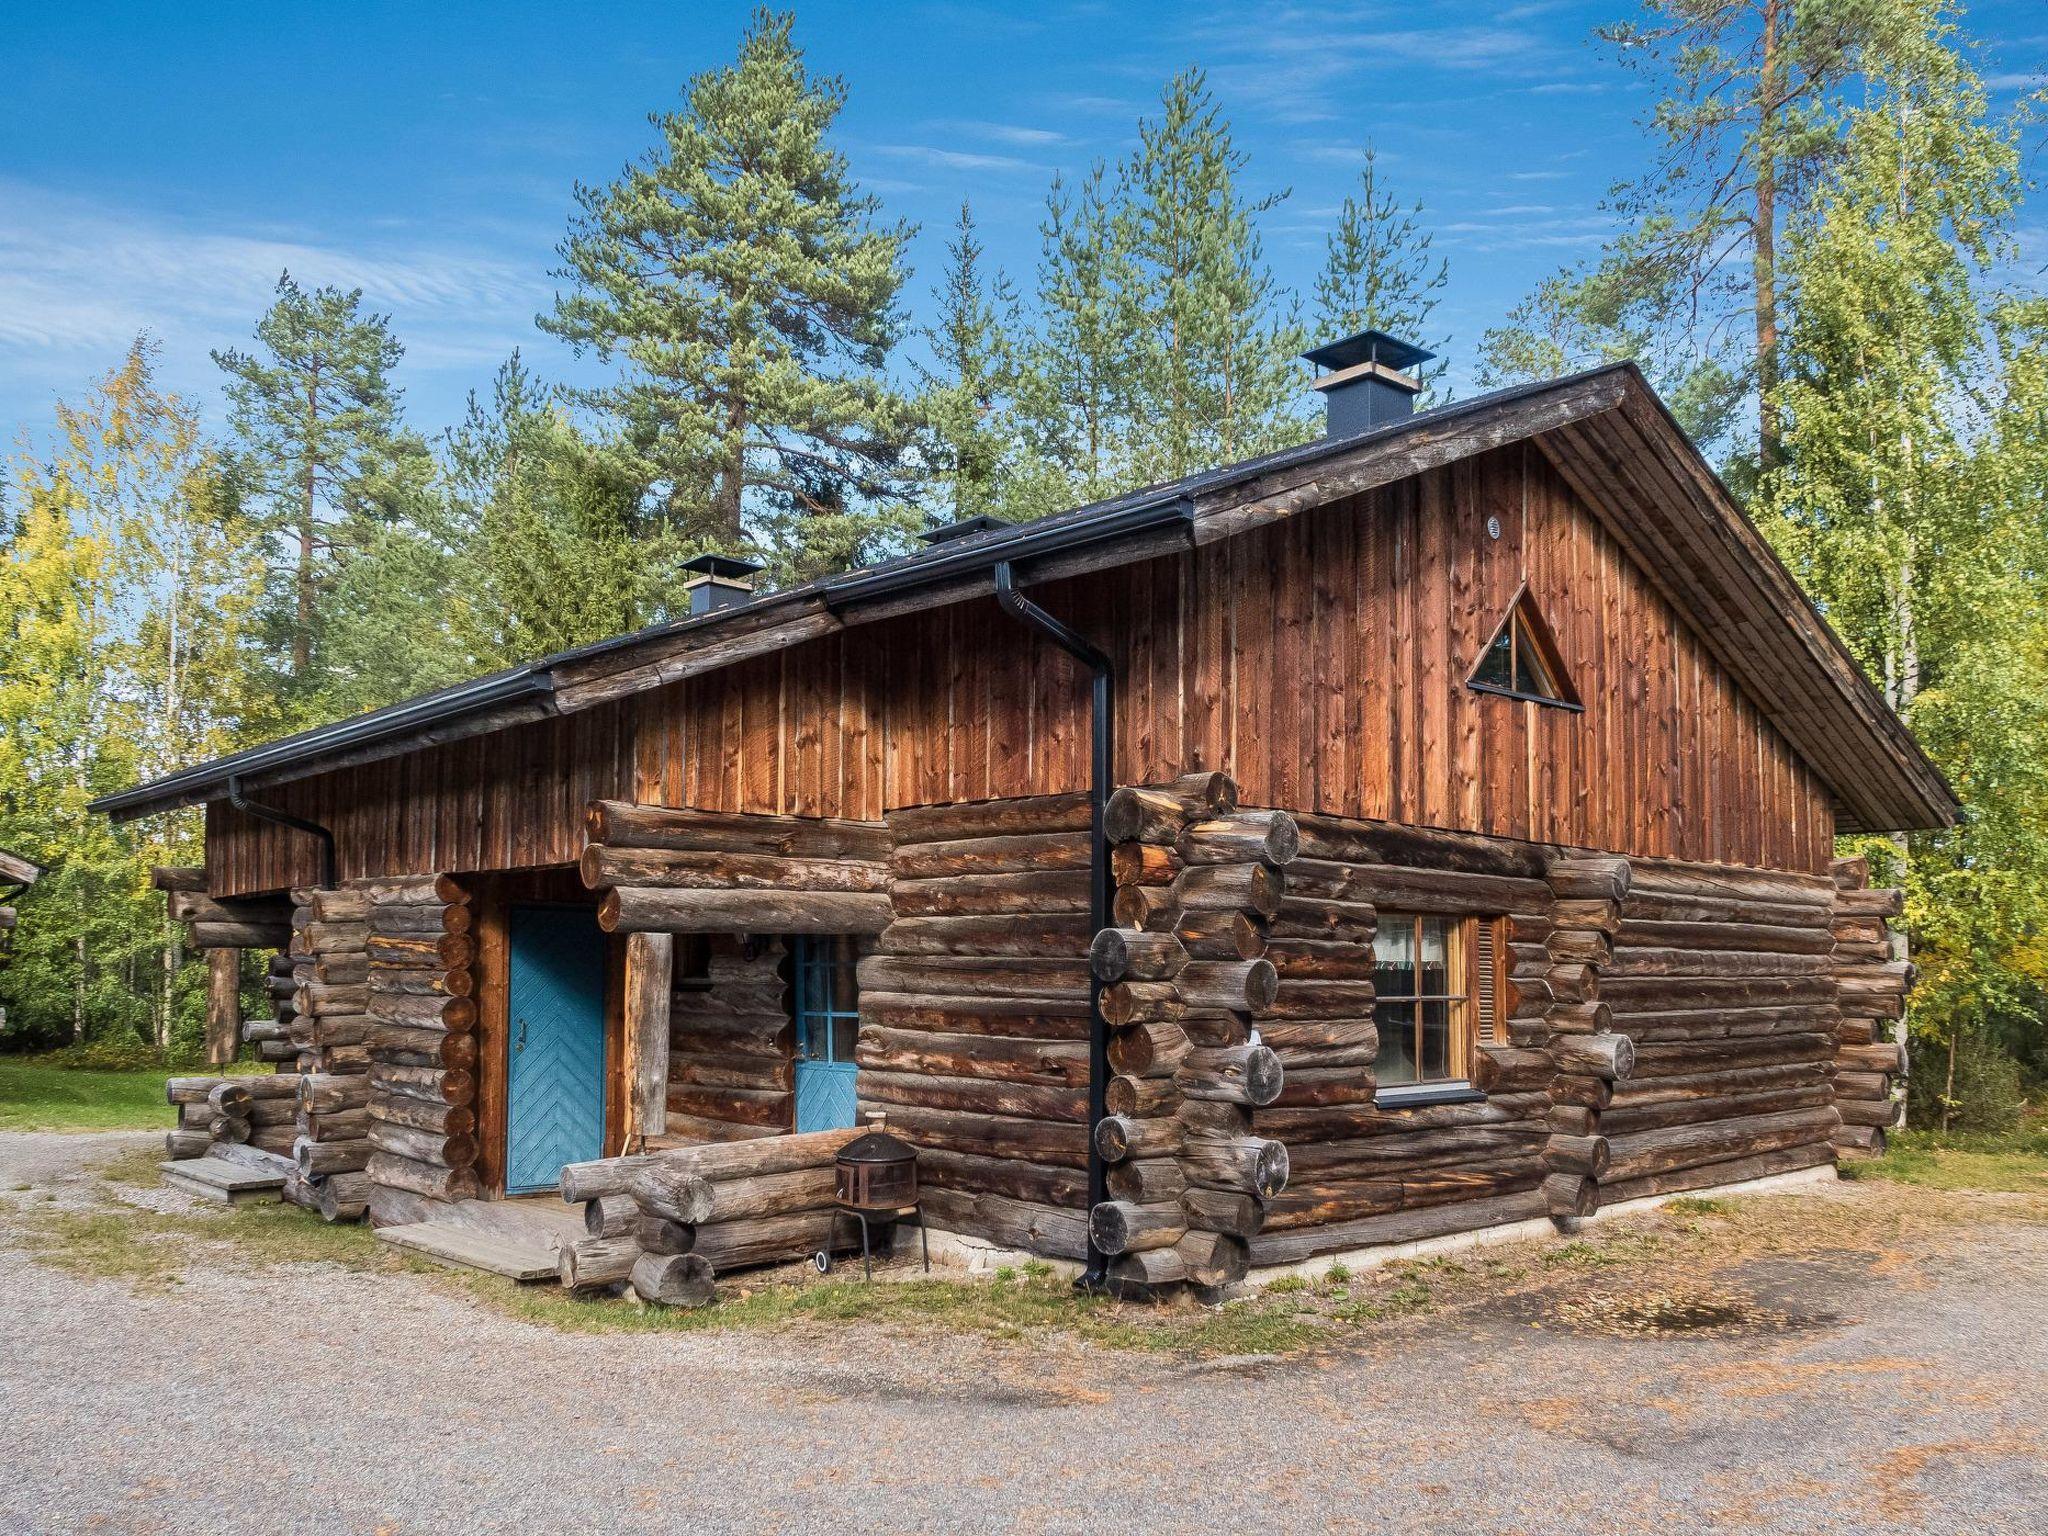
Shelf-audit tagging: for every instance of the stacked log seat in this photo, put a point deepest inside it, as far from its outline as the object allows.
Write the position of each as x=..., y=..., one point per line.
x=731, y=1061
x=1722, y=979
x=1872, y=978
x=420, y=1128
x=669, y=1222
x=1187, y=985
x=975, y=1016
x=1363, y=1173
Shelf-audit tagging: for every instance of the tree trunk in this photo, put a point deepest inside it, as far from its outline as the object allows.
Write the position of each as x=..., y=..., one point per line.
x=1764, y=235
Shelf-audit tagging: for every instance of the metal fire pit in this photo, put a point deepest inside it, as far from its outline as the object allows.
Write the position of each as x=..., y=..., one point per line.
x=877, y=1182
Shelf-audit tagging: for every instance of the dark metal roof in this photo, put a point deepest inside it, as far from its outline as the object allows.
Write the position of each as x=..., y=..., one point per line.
x=1370, y=347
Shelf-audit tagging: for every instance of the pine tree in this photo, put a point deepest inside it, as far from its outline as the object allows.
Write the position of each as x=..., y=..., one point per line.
x=318, y=437
x=1216, y=379
x=965, y=395
x=1380, y=270
x=739, y=277
x=1745, y=126
x=1078, y=370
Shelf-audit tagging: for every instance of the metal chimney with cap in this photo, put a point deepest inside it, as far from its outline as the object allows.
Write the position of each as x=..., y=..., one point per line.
x=718, y=581
x=1369, y=380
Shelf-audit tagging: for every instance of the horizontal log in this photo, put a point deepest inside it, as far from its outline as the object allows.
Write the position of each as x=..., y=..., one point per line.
x=959, y=976
x=418, y=1010
x=1143, y=816
x=317, y=1159
x=1626, y=1119
x=1319, y=960
x=425, y=949
x=1034, y=891
x=1754, y=938
x=1345, y=841
x=1118, y=1137
x=627, y=825
x=1686, y=1058
x=1722, y=880
x=602, y=866
x=1028, y=1140
x=984, y=1096
x=342, y=1196
x=1143, y=864
x=1229, y=887
x=448, y=1151
x=1323, y=920
x=423, y=1047
x=420, y=1115
x=1022, y=1018
x=1269, y=837
x=1651, y=1152
x=1054, y=1231
x=445, y=1085
x=1120, y=954
x=1055, y=1063
x=389, y=922
x=1407, y=1226
x=1392, y=887
x=1252, y=1165
x=1345, y=1121
x=1117, y=1226
x=1146, y=1180
x=1054, y=935
x=238, y=935
x=1608, y=1056
x=1040, y=1183
x=646, y=909
x=591, y=1263
x=1143, y=1050
x=1736, y=1170
x=990, y=818
x=767, y=1108
x=743, y=1244
x=610, y=1216
x=992, y=856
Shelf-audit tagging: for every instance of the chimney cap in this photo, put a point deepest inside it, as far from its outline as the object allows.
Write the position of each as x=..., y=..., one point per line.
x=1369, y=347
x=947, y=532
x=722, y=567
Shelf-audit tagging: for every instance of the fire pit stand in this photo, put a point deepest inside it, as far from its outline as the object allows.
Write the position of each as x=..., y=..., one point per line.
x=877, y=1181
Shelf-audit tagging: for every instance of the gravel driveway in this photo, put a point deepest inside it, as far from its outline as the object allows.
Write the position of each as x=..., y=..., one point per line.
x=1909, y=1390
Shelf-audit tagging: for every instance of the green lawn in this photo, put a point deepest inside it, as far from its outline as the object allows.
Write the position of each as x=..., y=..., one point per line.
x=2015, y=1164
x=35, y=1097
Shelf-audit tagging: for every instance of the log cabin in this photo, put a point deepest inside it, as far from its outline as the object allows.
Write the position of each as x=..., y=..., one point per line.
x=1425, y=829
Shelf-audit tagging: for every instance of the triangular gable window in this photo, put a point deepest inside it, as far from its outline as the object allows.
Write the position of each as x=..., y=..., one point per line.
x=1521, y=660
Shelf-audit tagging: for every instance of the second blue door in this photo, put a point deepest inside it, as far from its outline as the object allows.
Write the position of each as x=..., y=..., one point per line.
x=827, y=1019
x=554, y=1095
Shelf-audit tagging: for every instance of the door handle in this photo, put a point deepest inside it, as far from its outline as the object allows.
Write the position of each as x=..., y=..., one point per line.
x=522, y=1036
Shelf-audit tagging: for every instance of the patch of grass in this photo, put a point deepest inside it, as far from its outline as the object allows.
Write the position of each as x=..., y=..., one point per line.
x=2014, y=1164
x=1696, y=1205
x=38, y=1097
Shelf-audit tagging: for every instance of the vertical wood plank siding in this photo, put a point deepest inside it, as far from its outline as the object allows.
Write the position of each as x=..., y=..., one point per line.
x=1321, y=660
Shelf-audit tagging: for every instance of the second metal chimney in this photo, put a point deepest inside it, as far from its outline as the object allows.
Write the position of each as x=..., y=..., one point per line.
x=1369, y=380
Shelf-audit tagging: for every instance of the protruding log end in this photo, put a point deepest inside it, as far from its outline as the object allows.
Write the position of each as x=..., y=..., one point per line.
x=673, y=1279
x=1570, y=1194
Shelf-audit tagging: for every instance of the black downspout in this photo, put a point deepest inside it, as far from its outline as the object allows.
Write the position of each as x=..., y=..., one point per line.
x=249, y=807
x=1101, y=759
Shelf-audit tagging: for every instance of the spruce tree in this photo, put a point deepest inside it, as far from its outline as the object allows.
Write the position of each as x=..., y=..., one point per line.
x=740, y=280
x=1217, y=379
x=317, y=439
x=965, y=391
x=1380, y=271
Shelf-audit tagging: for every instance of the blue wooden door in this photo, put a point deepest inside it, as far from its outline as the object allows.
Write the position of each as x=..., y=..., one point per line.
x=827, y=1019
x=554, y=1096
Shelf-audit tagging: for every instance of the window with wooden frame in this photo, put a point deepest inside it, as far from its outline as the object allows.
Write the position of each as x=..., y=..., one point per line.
x=1438, y=986
x=1521, y=661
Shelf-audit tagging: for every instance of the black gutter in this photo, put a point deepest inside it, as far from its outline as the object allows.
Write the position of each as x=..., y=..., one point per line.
x=1101, y=769
x=271, y=814
x=395, y=720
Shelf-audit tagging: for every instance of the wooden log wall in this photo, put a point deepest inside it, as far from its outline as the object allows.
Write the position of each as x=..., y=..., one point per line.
x=1321, y=659
x=1872, y=978
x=422, y=1141
x=1722, y=980
x=222, y=930
x=1365, y=1174
x=975, y=1020
x=668, y=1223
x=1188, y=986
x=731, y=1047
x=329, y=1029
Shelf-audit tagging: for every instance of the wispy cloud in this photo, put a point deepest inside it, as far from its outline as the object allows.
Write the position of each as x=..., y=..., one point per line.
x=80, y=278
x=1002, y=133
x=956, y=159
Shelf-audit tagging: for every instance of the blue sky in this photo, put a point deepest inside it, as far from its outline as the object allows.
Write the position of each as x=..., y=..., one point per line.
x=160, y=164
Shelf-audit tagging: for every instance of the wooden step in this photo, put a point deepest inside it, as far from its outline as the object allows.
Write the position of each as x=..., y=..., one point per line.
x=213, y=1178
x=470, y=1249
